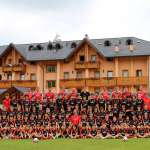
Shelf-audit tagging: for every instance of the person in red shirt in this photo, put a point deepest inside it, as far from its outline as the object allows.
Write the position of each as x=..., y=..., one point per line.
x=49, y=94
x=126, y=93
x=6, y=102
x=146, y=102
x=141, y=94
x=37, y=95
x=116, y=93
x=75, y=118
x=105, y=94
x=29, y=94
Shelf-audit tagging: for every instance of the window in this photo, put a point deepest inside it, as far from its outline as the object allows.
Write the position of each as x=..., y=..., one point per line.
x=33, y=76
x=51, y=83
x=73, y=45
x=9, y=61
x=107, y=43
x=138, y=73
x=9, y=76
x=0, y=62
x=129, y=42
x=39, y=47
x=125, y=73
x=22, y=76
x=0, y=77
x=58, y=46
x=110, y=59
x=97, y=90
x=109, y=74
x=51, y=68
x=97, y=74
x=50, y=46
x=66, y=75
x=93, y=58
x=20, y=61
x=79, y=75
x=33, y=63
x=82, y=58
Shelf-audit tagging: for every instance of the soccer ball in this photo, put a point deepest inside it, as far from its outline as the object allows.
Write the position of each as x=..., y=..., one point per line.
x=35, y=140
x=125, y=138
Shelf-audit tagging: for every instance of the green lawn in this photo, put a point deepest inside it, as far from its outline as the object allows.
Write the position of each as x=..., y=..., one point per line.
x=67, y=144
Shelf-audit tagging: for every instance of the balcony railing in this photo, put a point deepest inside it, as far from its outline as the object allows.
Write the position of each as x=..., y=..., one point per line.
x=107, y=82
x=87, y=65
x=69, y=83
x=132, y=80
x=21, y=83
x=14, y=68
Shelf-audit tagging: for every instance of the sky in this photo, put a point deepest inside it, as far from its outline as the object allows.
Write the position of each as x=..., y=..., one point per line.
x=28, y=21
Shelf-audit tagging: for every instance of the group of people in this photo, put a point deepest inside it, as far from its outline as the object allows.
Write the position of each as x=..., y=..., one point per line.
x=75, y=115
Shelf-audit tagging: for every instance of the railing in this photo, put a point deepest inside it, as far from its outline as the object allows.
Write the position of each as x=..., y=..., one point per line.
x=15, y=68
x=132, y=80
x=108, y=82
x=72, y=83
x=21, y=83
x=88, y=65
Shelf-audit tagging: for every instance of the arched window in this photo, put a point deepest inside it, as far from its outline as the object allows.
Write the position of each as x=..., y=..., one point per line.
x=73, y=45
x=129, y=42
x=107, y=43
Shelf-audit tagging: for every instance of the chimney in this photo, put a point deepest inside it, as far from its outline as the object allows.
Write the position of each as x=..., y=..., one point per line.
x=117, y=49
x=131, y=48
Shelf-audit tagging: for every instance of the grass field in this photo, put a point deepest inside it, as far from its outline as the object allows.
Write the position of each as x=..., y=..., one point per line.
x=66, y=144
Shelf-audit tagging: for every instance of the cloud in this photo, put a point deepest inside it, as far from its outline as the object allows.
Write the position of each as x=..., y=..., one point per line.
x=37, y=21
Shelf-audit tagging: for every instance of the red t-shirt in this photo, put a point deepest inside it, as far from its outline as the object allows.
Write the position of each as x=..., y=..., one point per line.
x=6, y=104
x=50, y=95
x=147, y=102
x=30, y=94
x=75, y=119
x=37, y=96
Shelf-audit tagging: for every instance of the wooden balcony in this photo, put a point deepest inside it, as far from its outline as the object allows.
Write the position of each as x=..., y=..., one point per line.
x=130, y=81
x=107, y=82
x=6, y=68
x=21, y=83
x=76, y=83
x=19, y=68
x=14, y=68
x=87, y=65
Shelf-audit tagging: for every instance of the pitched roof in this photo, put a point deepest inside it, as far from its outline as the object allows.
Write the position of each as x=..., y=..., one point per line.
x=142, y=47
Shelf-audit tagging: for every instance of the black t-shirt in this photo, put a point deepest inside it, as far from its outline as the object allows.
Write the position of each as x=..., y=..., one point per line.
x=92, y=102
x=85, y=94
x=101, y=102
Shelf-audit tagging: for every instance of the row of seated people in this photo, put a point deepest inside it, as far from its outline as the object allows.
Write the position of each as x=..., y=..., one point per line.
x=77, y=116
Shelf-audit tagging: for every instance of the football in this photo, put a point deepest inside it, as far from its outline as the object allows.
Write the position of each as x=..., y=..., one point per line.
x=35, y=140
x=125, y=138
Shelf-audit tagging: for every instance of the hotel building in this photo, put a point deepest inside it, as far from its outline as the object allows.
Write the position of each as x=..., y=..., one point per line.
x=89, y=63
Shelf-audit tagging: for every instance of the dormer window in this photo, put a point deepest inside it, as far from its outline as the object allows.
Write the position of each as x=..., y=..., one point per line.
x=50, y=46
x=129, y=42
x=73, y=45
x=58, y=46
x=107, y=43
x=39, y=47
x=31, y=47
